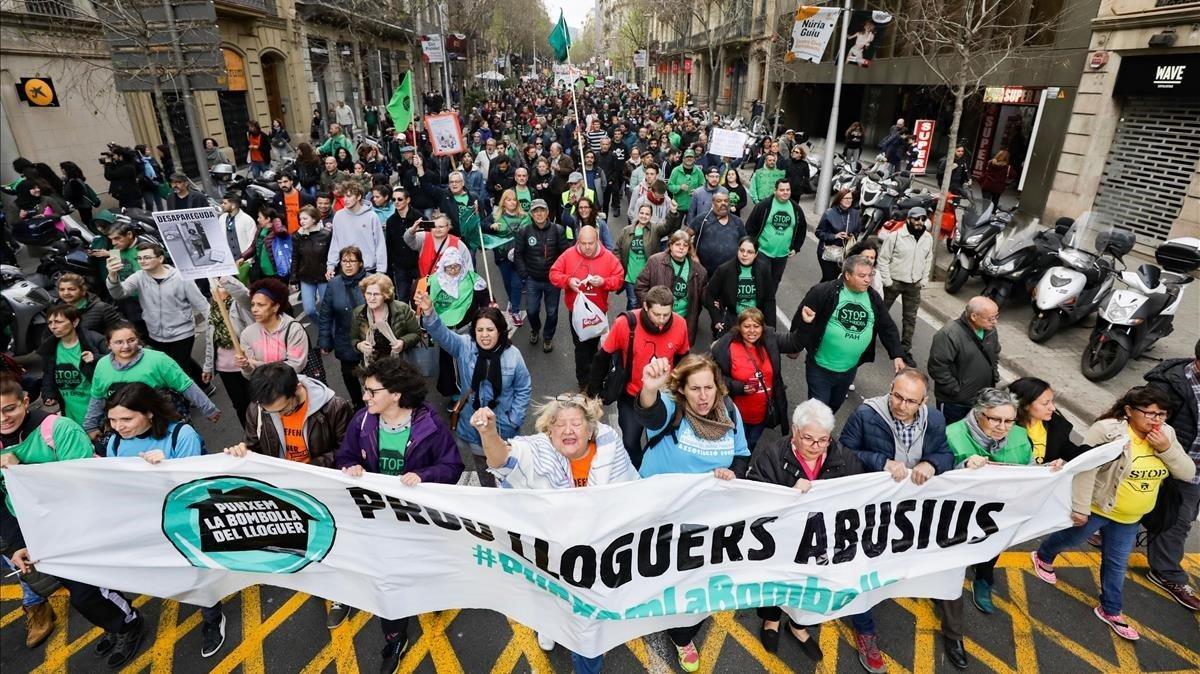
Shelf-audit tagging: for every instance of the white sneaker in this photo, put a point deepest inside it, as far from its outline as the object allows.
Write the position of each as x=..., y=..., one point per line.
x=545, y=642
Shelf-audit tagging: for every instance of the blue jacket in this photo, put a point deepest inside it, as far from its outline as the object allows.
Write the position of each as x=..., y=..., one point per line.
x=869, y=435
x=341, y=296
x=513, y=403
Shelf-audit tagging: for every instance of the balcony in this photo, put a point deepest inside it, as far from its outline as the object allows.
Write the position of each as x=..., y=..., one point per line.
x=259, y=7
x=1174, y=3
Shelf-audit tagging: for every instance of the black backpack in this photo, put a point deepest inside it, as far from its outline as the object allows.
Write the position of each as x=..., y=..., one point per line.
x=672, y=427
x=621, y=369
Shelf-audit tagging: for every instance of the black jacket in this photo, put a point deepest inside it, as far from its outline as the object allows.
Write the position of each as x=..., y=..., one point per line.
x=123, y=184
x=720, y=295
x=536, y=249
x=309, y=175
x=308, y=255
x=98, y=316
x=959, y=176
x=776, y=343
x=1171, y=376
x=822, y=299
x=960, y=364
x=400, y=254
x=776, y=463
x=1059, y=444
x=758, y=218
x=48, y=350
x=192, y=200
x=449, y=207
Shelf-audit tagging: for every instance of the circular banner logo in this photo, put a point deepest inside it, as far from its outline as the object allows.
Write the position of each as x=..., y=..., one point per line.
x=241, y=524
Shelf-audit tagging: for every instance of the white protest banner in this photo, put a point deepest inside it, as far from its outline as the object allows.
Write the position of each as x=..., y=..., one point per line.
x=433, y=49
x=923, y=133
x=641, y=58
x=727, y=143
x=565, y=74
x=810, y=32
x=445, y=134
x=591, y=568
x=196, y=242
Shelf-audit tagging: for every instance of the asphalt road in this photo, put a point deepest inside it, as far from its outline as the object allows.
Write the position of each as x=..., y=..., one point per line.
x=1038, y=627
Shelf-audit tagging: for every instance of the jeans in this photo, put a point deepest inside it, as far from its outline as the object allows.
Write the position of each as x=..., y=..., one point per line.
x=486, y=479
x=535, y=292
x=237, y=387
x=211, y=614
x=864, y=623
x=953, y=411
x=827, y=386
x=910, y=294
x=829, y=270
x=632, y=428
x=631, y=299
x=311, y=191
x=1117, y=543
x=28, y=596
x=754, y=433
x=403, y=280
x=310, y=296
x=778, y=265
x=1165, y=550
x=512, y=285
x=151, y=201
x=257, y=168
x=354, y=390
x=986, y=571
x=584, y=665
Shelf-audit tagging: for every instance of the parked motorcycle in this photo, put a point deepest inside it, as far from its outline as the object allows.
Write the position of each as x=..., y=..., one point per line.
x=1134, y=318
x=1019, y=258
x=26, y=303
x=972, y=242
x=1085, y=274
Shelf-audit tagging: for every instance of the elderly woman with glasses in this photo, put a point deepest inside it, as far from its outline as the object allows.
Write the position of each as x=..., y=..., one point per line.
x=572, y=448
x=1114, y=497
x=809, y=453
x=990, y=434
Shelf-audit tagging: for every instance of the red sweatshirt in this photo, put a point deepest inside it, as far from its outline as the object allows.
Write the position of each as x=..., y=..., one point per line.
x=572, y=264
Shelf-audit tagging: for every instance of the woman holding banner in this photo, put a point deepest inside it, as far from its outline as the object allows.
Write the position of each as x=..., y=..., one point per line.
x=693, y=427
x=219, y=350
x=572, y=448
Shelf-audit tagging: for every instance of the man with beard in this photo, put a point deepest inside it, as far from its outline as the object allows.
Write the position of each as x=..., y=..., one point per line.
x=905, y=261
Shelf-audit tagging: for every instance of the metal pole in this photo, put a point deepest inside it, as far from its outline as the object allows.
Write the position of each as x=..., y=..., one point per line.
x=826, y=180
x=445, y=57
x=189, y=103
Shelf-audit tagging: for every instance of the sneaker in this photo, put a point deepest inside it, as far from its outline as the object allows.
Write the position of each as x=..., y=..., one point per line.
x=545, y=642
x=1043, y=570
x=337, y=614
x=868, y=653
x=852, y=387
x=212, y=637
x=1096, y=540
x=393, y=652
x=689, y=657
x=518, y=319
x=104, y=644
x=39, y=623
x=126, y=644
x=547, y=346
x=533, y=336
x=1180, y=592
x=981, y=593
x=209, y=389
x=1118, y=624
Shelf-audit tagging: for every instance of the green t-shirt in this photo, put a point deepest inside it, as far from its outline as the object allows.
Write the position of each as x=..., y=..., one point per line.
x=71, y=382
x=679, y=287
x=154, y=368
x=637, y=255
x=392, y=446
x=511, y=224
x=265, y=262
x=776, y=236
x=848, y=333
x=524, y=197
x=452, y=310
x=747, y=289
x=675, y=139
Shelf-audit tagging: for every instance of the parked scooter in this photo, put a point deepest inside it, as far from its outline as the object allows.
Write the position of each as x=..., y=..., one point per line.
x=972, y=242
x=27, y=303
x=1134, y=318
x=1086, y=272
x=1019, y=259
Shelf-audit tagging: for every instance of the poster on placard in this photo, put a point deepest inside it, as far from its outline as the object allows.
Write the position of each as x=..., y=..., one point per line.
x=811, y=32
x=196, y=242
x=432, y=49
x=445, y=134
x=641, y=58
x=727, y=143
x=865, y=35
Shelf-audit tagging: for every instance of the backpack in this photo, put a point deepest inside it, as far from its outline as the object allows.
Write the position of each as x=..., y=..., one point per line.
x=888, y=141
x=281, y=255
x=672, y=427
x=90, y=194
x=116, y=442
x=46, y=428
x=620, y=371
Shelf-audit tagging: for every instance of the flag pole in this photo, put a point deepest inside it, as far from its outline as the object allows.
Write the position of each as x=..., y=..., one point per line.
x=487, y=271
x=578, y=121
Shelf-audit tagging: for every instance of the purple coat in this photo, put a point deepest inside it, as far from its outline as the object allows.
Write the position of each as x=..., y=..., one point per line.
x=431, y=453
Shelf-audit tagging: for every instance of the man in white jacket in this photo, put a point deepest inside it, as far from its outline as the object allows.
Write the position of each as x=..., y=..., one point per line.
x=357, y=225
x=905, y=261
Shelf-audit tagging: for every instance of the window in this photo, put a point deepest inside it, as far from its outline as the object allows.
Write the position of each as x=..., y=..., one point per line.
x=64, y=8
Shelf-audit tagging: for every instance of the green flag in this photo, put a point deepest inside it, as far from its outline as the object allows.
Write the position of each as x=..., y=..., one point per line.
x=400, y=108
x=560, y=39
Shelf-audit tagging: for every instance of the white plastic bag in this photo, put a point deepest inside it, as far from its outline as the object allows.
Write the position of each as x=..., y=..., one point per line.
x=587, y=320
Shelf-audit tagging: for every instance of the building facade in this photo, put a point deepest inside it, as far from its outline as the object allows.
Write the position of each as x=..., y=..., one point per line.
x=1131, y=154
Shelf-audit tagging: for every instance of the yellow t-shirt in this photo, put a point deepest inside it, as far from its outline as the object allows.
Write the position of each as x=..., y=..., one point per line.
x=1037, y=438
x=1139, y=490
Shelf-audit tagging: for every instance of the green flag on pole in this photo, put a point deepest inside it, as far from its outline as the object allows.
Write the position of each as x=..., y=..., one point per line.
x=560, y=38
x=400, y=108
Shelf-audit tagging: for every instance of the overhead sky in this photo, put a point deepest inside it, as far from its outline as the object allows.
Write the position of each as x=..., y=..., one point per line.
x=575, y=11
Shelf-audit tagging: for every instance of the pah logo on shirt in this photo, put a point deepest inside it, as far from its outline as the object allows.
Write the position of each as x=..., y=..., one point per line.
x=781, y=221
x=853, y=317
x=241, y=524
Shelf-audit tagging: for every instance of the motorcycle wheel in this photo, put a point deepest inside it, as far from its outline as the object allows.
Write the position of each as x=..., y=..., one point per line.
x=1043, y=326
x=956, y=277
x=997, y=293
x=1102, y=360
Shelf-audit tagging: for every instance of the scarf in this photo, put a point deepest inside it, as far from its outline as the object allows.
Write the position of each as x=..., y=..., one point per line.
x=987, y=442
x=487, y=368
x=379, y=328
x=654, y=198
x=713, y=426
x=449, y=284
x=427, y=261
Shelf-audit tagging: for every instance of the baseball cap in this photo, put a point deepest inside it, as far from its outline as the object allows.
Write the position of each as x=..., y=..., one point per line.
x=538, y=203
x=689, y=153
x=714, y=169
x=917, y=212
x=575, y=177
x=408, y=148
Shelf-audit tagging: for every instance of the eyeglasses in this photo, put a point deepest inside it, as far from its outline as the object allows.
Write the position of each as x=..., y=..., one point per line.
x=371, y=392
x=816, y=442
x=289, y=406
x=999, y=421
x=988, y=319
x=399, y=198
x=901, y=400
x=571, y=398
x=1152, y=416
x=145, y=258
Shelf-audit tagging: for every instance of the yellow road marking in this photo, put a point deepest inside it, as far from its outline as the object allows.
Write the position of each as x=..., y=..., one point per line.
x=1024, y=650
x=249, y=652
x=58, y=651
x=433, y=642
x=523, y=642
x=160, y=655
x=10, y=591
x=340, y=649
